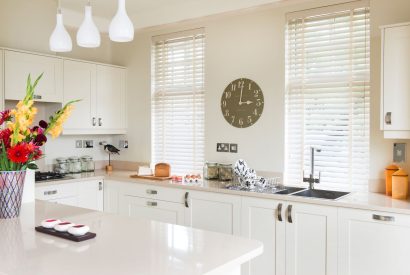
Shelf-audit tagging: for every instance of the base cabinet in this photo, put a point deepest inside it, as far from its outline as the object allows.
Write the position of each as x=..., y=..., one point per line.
x=162, y=211
x=91, y=195
x=299, y=239
x=373, y=243
x=213, y=212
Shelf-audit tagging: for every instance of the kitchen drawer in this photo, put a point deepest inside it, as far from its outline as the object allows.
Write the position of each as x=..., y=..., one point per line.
x=154, y=192
x=59, y=191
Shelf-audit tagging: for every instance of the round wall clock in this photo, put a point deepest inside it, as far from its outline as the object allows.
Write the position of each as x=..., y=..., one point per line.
x=242, y=103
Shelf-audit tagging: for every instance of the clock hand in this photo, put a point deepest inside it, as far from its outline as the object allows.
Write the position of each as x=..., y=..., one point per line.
x=248, y=102
x=240, y=98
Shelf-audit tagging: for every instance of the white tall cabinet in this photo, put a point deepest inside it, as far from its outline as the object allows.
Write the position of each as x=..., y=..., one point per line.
x=395, y=85
x=373, y=243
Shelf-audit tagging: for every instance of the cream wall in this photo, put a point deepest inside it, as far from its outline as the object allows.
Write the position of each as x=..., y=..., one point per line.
x=248, y=44
x=27, y=25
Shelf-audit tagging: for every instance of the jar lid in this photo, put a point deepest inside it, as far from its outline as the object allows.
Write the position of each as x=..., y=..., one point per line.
x=61, y=160
x=400, y=173
x=225, y=165
x=74, y=158
x=392, y=167
x=87, y=158
x=211, y=163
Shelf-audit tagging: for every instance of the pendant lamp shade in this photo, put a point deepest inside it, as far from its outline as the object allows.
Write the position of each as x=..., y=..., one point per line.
x=121, y=27
x=60, y=40
x=88, y=35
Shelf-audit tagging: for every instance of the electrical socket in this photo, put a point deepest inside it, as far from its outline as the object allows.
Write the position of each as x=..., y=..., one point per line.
x=88, y=144
x=123, y=144
x=233, y=148
x=399, y=152
x=222, y=147
x=78, y=144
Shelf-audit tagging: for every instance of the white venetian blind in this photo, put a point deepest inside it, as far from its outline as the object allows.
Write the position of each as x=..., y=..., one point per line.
x=327, y=98
x=178, y=100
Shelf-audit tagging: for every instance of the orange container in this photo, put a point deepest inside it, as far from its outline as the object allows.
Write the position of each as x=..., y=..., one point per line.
x=388, y=173
x=400, y=185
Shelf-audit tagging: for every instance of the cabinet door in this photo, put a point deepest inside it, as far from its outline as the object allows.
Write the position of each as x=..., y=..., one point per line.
x=111, y=102
x=19, y=65
x=311, y=239
x=396, y=81
x=111, y=196
x=373, y=243
x=91, y=195
x=162, y=211
x=264, y=220
x=79, y=83
x=213, y=212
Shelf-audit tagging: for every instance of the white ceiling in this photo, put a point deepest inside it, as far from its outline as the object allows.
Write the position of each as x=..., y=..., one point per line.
x=147, y=13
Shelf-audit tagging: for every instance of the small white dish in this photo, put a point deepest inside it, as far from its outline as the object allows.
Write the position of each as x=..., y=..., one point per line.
x=78, y=230
x=63, y=226
x=50, y=223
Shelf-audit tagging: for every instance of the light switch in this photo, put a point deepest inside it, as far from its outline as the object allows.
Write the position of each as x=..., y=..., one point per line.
x=399, y=152
x=78, y=144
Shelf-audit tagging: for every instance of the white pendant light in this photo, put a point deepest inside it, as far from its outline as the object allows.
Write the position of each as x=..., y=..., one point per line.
x=88, y=35
x=121, y=27
x=60, y=40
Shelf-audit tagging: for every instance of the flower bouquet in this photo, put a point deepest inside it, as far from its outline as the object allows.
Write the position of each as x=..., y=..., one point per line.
x=21, y=145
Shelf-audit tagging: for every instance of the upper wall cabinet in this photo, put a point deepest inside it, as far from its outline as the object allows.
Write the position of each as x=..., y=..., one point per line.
x=101, y=88
x=18, y=65
x=395, y=85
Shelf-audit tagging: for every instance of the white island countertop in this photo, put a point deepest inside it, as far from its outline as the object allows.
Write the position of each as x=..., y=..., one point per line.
x=122, y=246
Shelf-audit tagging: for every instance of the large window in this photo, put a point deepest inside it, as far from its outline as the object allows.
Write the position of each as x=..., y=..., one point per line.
x=177, y=100
x=327, y=98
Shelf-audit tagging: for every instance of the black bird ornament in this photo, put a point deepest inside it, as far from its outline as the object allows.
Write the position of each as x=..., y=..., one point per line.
x=110, y=149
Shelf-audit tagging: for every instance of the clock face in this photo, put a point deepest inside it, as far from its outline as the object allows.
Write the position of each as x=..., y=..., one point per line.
x=242, y=103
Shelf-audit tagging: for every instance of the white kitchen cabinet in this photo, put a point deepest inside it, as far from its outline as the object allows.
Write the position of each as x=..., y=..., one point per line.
x=213, y=212
x=162, y=211
x=111, y=98
x=311, y=239
x=395, y=85
x=264, y=220
x=299, y=239
x=17, y=67
x=91, y=195
x=112, y=196
x=373, y=243
x=102, y=91
x=79, y=83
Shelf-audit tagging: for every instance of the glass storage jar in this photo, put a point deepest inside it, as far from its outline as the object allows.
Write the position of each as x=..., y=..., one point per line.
x=62, y=166
x=75, y=165
x=87, y=164
x=211, y=171
x=225, y=172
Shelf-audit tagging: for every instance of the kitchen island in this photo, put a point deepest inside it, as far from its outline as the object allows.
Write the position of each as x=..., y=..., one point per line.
x=122, y=246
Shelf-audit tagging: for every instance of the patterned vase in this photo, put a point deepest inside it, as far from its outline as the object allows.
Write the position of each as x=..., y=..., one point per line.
x=11, y=193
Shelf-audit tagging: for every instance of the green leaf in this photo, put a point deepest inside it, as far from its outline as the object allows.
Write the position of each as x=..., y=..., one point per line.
x=32, y=166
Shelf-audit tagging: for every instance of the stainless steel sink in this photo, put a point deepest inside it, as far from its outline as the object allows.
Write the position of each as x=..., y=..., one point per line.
x=289, y=190
x=321, y=194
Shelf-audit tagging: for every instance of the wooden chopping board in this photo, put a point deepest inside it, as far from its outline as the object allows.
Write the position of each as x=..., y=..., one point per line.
x=150, y=177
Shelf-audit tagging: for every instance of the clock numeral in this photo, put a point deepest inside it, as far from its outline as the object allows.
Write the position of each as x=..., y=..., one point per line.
x=233, y=119
x=255, y=112
x=233, y=87
x=226, y=112
x=228, y=95
x=240, y=121
x=256, y=93
x=250, y=86
x=241, y=83
x=258, y=103
x=224, y=103
x=249, y=119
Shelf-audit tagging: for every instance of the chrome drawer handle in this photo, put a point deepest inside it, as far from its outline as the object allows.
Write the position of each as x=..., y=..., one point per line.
x=94, y=121
x=186, y=199
x=152, y=192
x=280, y=212
x=152, y=203
x=387, y=118
x=383, y=218
x=100, y=186
x=290, y=220
x=100, y=122
x=48, y=193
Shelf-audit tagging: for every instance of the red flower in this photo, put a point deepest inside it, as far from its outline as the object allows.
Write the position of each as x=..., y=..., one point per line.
x=37, y=154
x=5, y=137
x=19, y=153
x=40, y=139
x=4, y=116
